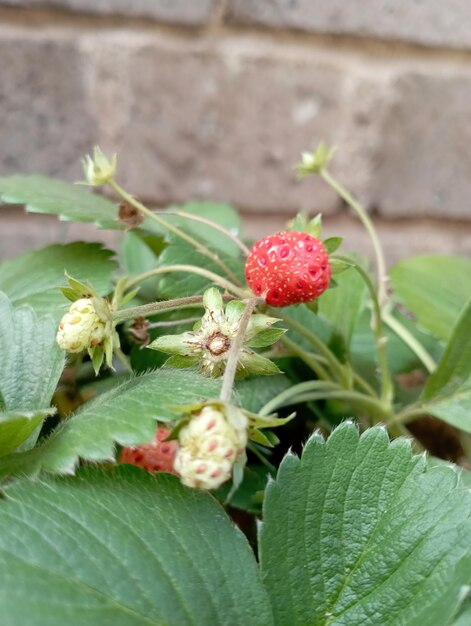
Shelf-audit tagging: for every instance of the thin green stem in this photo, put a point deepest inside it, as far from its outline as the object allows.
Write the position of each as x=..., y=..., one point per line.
x=334, y=364
x=411, y=342
x=192, y=269
x=359, y=380
x=155, y=307
x=311, y=360
x=173, y=229
x=407, y=415
x=287, y=394
x=234, y=351
x=197, y=218
x=381, y=339
x=370, y=228
x=373, y=407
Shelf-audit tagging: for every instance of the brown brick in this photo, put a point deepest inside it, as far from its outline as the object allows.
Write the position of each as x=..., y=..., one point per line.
x=423, y=161
x=223, y=121
x=434, y=22
x=47, y=124
x=187, y=12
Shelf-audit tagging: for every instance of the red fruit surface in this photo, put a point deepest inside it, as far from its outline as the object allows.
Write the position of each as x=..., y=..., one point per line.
x=288, y=268
x=157, y=456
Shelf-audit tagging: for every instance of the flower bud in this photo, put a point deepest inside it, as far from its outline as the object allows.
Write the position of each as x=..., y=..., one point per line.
x=99, y=170
x=209, y=446
x=81, y=327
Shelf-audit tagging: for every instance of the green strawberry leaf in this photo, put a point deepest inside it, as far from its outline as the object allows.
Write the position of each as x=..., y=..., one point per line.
x=125, y=548
x=342, y=307
x=17, y=427
x=71, y=202
x=223, y=214
x=126, y=414
x=360, y=532
x=31, y=362
x=181, y=284
x=251, y=395
x=331, y=244
x=36, y=277
x=454, y=367
x=435, y=289
x=454, y=409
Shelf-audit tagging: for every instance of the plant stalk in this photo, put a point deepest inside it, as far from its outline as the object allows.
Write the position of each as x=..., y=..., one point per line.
x=155, y=307
x=173, y=229
x=193, y=269
x=234, y=351
x=197, y=218
x=370, y=228
x=411, y=342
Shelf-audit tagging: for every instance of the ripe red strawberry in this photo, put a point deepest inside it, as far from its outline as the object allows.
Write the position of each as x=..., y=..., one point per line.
x=287, y=268
x=157, y=456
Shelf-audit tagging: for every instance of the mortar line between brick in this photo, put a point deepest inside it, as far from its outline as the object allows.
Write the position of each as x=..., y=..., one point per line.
x=363, y=48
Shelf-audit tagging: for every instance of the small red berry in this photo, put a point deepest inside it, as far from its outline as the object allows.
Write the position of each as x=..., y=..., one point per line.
x=157, y=456
x=288, y=268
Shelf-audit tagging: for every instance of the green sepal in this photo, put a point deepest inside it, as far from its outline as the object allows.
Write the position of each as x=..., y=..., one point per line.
x=253, y=363
x=178, y=361
x=339, y=265
x=266, y=338
x=313, y=305
x=176, y=431
x=257, y=436
x=299, y=223
x=268, y=421
x=97, y=355
x=119, y=298
x=333, y=284
x=214, y=305
x=76, y=290
x=129, y=296
x=234, y=310
x=314, y=227
x=332, y=244
x=102, y=308
x=259, y=323
x=69, y=293
x=237, y=475
x=109, y=343
x=173, y=344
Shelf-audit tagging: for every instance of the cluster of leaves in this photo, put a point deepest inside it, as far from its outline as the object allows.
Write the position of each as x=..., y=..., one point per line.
x=356, y=530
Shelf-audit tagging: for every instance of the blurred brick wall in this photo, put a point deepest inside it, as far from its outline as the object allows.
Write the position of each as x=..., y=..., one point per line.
x=217, y=98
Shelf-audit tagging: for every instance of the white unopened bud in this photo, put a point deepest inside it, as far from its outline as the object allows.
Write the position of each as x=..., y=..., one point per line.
x=99, y=170
x=209, y=446
x=81, y=327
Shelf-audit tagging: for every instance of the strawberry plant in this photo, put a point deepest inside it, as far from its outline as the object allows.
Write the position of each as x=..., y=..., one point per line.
x=205, y=430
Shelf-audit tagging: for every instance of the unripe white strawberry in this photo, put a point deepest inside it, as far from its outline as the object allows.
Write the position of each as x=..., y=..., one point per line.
x=81, y=327
x=209, y=445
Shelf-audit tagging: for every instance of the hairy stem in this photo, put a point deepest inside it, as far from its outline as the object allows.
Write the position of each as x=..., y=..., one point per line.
x=380, y=338
x=174, y=229
x=192, y=269
x=311, y=360
x=411, y=342
x=370, y=228
x=234, y=352
x=202, y=220
x=155, y=307
x=288, y=394
x=334, y=364
x=371, y=406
